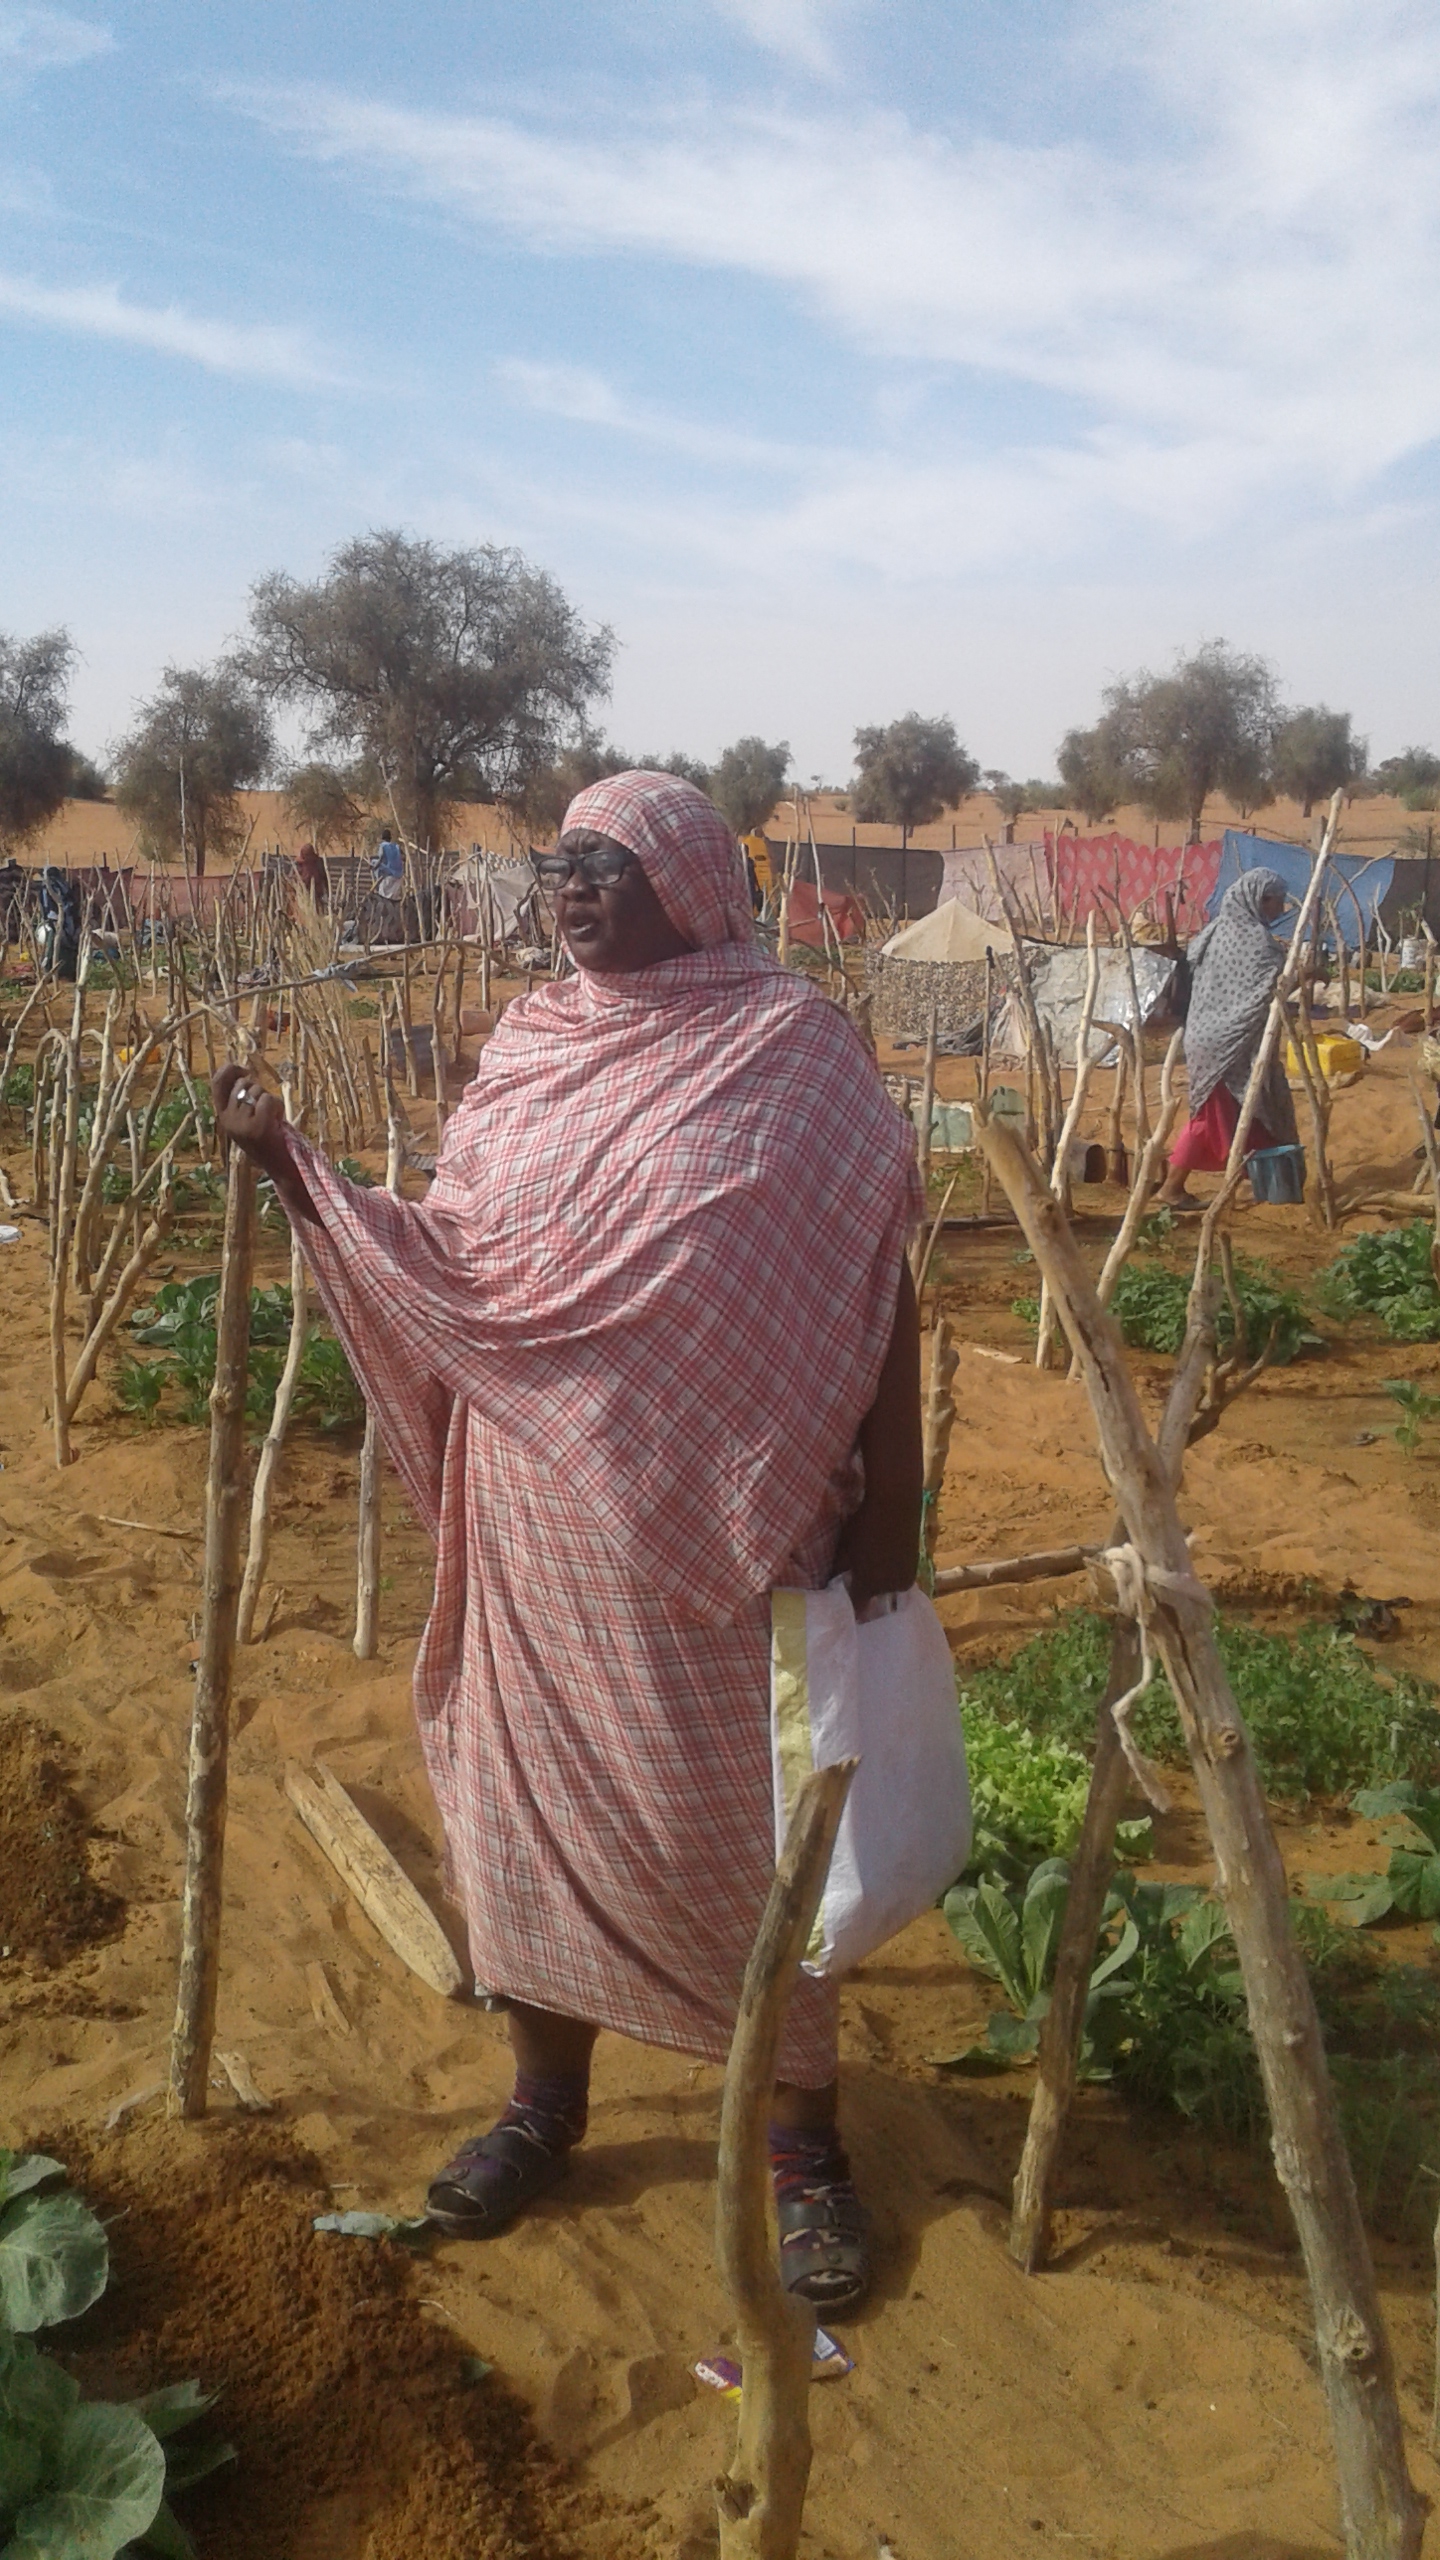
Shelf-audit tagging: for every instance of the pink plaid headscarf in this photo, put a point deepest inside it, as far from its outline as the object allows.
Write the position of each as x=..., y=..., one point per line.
x=663, y=1244
x=683, y=846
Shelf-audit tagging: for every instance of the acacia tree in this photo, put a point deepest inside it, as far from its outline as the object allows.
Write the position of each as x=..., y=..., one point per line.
x=322, y=801
x=203, y=736
x=747, y=782
x=1091, y=777
x=1315, y=754
x=1169, y=741
x=1413, y=776
x=440, y=675
x=37, y=764
x=545, y=795
x=685, y=768
x=910, y=771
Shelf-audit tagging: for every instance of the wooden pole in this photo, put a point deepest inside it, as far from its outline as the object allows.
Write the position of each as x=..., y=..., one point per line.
x=985, y=1068
x=1118, y=1166
x=62, y=1222
x=210, y=1724
x=367, y=1545
x=939, y=1423
x=1063, y=2025
x=922, y=1144
x=257, y=1553
x=761, y=2498
x=1383, y=2517
x=1060, y=1171
x=1317, y=1096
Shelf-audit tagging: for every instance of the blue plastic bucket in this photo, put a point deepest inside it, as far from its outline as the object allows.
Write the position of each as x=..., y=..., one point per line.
x=1277, y=1173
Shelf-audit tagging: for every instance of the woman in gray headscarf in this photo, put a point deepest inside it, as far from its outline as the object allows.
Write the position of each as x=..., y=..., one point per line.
x=1235, y=963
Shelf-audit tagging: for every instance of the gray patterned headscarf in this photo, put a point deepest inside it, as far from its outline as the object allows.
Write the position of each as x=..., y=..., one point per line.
x=1236, y=961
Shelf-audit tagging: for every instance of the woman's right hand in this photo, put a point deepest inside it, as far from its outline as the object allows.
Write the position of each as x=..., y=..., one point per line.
x=249, y=1115
x=253, y=1120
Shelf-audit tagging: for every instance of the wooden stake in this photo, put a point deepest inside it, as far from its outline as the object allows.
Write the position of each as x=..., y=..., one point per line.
x=985, y=1068
x=922, y=1144
x=939, y=1423
x=1060, y=1171
x=1317, y=1096
x=367, y=1558
x=210, y=1723
x=62, y=1221
x=1091, y=1868
x=761, y=2498
x=1383, y=2517
x=258, y=1548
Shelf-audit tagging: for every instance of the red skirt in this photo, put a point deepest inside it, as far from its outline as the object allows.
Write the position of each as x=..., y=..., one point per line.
x=1204, y=1143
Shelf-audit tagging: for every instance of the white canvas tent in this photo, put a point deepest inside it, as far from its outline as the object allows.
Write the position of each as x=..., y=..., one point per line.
x=952, y=932
x=508, y=889
x=1058, y=978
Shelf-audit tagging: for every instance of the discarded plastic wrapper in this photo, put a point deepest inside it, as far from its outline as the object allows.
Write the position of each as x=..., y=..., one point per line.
x=1367, y=1038
x=414, y=2231
x=9, y=1235
x=831, y=2365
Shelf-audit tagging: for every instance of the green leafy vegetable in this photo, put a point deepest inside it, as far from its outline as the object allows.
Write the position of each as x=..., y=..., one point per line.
x=1415, y=1408
x=54, y=2259
x=1320, y=1719
x=79, y=2479
x=1388, y=1273
x=1411, y=1883
x=113, y=2472
x=179, y=1326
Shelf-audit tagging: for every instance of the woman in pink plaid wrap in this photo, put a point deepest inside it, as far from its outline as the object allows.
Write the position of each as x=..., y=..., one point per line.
x=647, y=1351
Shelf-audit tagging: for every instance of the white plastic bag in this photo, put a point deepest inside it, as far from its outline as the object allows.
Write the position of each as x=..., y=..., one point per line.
x=883, y=1694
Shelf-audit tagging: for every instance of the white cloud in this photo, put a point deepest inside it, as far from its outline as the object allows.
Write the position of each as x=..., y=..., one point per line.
x=1235, y=309
x=796, y=30
x=585, y=397
x=256, y=350
x=48, y=40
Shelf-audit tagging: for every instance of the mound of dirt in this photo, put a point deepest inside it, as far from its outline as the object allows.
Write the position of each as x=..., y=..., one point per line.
x=50, y=1904
x=355, y=2425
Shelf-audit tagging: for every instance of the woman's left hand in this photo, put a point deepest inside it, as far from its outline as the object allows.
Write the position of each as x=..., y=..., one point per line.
x=879, y=1550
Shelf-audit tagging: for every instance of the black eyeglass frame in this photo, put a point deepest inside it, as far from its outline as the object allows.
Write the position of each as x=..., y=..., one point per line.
x=601, y=865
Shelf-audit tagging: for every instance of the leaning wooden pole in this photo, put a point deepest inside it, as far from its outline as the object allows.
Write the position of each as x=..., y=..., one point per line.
x=761, y=2498
x=210, y=1721
x=1382, y=2514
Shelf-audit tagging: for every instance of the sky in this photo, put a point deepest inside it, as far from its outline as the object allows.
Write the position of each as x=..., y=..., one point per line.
x=847, y=357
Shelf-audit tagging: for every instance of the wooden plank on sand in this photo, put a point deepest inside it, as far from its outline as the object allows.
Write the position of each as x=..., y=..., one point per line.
x=380, y=1885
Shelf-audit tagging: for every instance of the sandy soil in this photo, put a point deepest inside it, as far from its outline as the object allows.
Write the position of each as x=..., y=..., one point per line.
x=1151, y=2398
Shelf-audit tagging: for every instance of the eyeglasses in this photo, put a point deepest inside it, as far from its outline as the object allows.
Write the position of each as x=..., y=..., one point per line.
x=602, y=866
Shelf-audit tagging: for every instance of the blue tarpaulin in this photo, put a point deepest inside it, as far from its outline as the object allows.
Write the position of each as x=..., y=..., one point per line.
x=1356, y=884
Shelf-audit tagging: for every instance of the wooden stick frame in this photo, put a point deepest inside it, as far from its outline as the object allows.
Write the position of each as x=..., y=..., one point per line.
x=1383, y=2516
